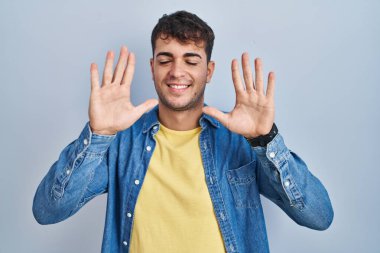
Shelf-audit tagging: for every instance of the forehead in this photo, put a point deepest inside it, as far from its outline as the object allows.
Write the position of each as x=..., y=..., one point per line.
x=178, y=48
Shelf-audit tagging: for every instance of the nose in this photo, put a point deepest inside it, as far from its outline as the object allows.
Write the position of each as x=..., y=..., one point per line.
x=176, y=70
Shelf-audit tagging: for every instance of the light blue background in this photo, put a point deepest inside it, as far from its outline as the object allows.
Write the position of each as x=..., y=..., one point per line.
x=326, y=56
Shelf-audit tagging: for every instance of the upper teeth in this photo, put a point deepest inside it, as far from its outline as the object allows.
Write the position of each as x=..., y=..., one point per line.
x=178, y=86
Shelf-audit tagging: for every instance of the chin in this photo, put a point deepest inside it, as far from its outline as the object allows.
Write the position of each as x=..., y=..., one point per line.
x=179, y=107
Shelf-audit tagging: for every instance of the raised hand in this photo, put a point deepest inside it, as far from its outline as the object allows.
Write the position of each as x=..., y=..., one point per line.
x=253, y=114
x=110, y=107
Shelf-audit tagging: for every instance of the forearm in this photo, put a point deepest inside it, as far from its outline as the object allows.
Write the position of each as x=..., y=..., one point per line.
x=285, y=179
x=79, y=175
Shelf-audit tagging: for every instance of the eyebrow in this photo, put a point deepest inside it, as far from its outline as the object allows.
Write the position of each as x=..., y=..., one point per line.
x=185, y=55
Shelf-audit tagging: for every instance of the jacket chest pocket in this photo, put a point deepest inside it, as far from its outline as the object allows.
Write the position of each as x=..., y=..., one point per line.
x=243, y=185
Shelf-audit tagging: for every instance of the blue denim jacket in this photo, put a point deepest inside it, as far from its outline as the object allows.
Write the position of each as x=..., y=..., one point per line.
x=236, y=174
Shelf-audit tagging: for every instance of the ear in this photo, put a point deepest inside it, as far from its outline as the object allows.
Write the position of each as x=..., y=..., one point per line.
x=210, y=70
x=152, y=67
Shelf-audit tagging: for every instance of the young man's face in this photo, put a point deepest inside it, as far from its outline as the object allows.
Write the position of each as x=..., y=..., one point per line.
x=180, y=73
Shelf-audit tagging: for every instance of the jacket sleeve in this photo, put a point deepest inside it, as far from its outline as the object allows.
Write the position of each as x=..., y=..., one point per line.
x=285, y=179
x=80, y=174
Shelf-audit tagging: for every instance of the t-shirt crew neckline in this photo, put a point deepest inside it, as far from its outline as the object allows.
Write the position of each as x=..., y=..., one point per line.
x=176, y=132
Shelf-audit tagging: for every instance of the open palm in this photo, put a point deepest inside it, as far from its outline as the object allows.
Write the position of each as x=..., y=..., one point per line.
x=110, y=107
x=253, y=114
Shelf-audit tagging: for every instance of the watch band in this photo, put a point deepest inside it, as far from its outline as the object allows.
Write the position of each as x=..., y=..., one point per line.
x=263, y=140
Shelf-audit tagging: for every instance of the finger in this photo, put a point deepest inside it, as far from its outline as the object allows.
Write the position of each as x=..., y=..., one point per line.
x=218, y=115
x=247, y=73
x=120, y=67
x=129, y=71
x=271, y=82
x=146, y=106
x=107, y=73
x=259, y=76
x=236, y=77
x=94, y=76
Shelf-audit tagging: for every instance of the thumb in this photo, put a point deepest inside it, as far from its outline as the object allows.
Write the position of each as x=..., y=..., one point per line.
x=218, y=115
x=146, y=106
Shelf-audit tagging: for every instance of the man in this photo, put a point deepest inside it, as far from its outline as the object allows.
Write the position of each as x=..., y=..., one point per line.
x=182, y=177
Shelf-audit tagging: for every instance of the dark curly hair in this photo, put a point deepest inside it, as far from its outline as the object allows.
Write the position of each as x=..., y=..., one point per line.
x=184, y=26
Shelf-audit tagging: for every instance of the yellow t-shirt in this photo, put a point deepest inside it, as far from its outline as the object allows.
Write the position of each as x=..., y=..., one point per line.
x=174, y=211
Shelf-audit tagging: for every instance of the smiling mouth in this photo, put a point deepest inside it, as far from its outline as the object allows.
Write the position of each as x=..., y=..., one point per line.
x=178, y=87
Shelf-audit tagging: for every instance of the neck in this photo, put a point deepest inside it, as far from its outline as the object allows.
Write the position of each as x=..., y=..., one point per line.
x=179, y=120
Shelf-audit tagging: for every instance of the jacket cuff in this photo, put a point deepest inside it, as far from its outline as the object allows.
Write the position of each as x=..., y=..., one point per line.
x=94, y=143
x=279, y=155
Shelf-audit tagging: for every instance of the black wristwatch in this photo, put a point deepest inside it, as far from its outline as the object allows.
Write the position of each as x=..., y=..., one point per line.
x=263, y=140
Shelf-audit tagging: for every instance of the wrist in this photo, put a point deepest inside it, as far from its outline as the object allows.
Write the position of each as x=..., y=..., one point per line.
x=263, y=140
x=102, y=131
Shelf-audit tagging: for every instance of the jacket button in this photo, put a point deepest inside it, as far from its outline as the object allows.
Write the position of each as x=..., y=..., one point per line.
x=148, y=148
x=137, y=182
x=272, y=154
x=125, y=243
